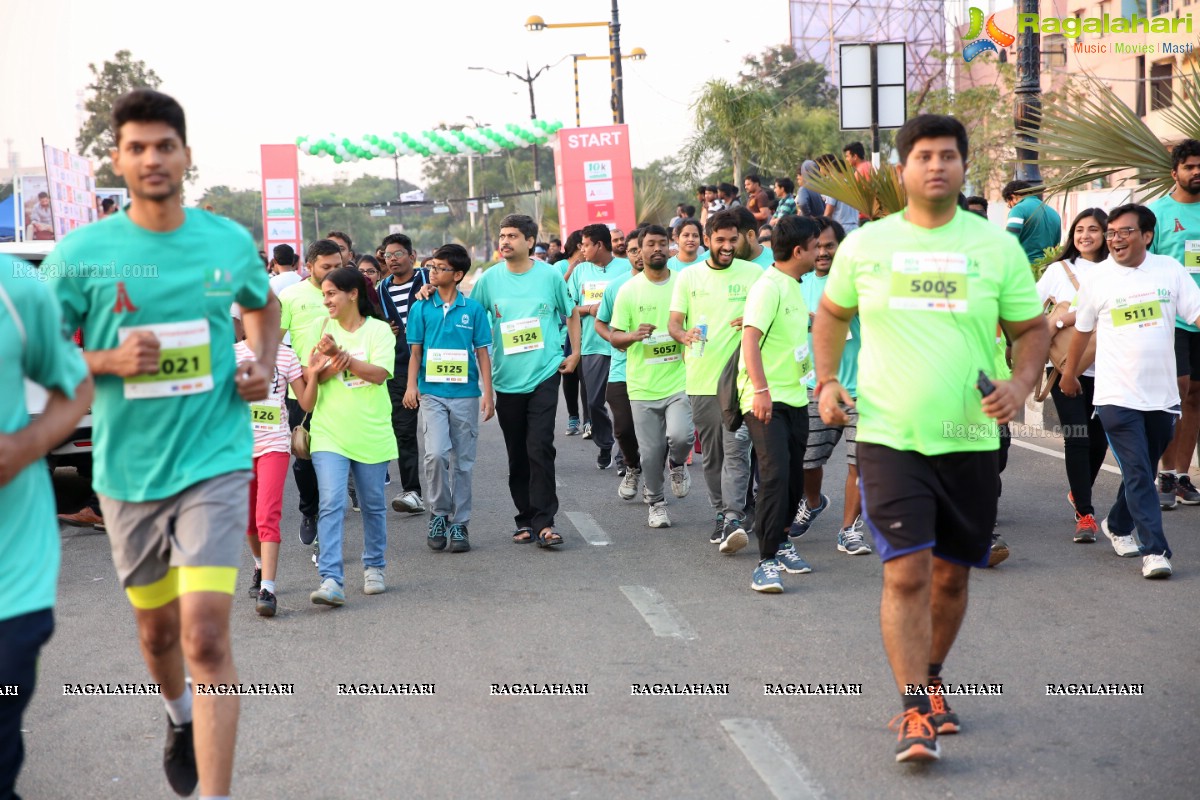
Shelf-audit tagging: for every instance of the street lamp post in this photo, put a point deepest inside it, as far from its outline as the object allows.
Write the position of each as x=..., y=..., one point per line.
x=1027, y=111
x=528, y=80
x=536, y=23
x=637, y=54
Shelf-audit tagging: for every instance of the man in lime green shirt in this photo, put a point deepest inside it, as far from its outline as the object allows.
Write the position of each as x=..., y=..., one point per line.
x=32, y=347
x=654, y=373
x=1177, y=234
x=151, y=287
x=773, y=374
x=706, y=317
x=930, y=284
x=302, y=314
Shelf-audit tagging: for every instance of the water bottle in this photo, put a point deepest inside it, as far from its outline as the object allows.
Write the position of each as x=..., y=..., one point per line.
x=698, y=347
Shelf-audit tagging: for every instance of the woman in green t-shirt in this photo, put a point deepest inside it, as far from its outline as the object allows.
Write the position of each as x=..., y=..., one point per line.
x=350, y=406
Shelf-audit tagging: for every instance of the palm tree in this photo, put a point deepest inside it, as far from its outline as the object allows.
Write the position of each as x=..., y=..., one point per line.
x=876, y=197
x=733, y=120
x=1097, y=137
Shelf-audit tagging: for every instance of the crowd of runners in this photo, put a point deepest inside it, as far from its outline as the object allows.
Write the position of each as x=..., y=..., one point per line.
x=912, y=339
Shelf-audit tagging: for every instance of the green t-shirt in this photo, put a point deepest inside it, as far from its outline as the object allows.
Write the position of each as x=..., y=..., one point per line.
x=562, y=265
x=154, y=436
x=655, y=368
x=301, y=312
x=353, y=418
x=1036, y=225
x=616, y=366
x=812, y=287
x=776, y=307
x=587, y=286
x=1177, y=234
x=34, y=349
x=524, y=309
x=713, y=298
x=929, y=302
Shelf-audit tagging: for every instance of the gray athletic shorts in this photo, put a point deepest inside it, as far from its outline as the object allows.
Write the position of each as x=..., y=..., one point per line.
x=822, y=437
x=189, y=542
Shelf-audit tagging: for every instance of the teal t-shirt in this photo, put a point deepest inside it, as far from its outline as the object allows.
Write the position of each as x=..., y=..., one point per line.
x=765, y=259
x=587, y=286
x=616, y=367
x=524, y=311
x=1036, y=225
x=449, y=337
x=675, y=265
x=33, y=348
x=812, y=287
x=154, y=436
x=1177, y=234
x=929, y=302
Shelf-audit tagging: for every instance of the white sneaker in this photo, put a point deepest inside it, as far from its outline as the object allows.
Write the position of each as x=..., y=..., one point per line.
x=409, y=502
x=681, y=481
x=1156, y=566
x=658, y=516
x=373, y=580
x=627, y=490
x=1126, y=546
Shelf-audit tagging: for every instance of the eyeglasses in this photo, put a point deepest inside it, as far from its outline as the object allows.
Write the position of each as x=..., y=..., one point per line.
x=396, y=254
x=369, y=271
x=1119, y=233
x=441, y=269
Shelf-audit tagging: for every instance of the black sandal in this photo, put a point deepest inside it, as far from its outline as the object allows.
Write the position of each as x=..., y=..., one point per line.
x=549, y=538
x=526, y=532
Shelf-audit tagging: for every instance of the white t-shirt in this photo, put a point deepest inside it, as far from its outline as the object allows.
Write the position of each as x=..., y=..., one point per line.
x=1055, y=283
x=268, y=436
x=283, y=280
x=1133, y=312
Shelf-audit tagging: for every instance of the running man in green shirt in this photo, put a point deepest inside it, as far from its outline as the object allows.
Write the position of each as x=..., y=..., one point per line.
x=930, y=284
x=173, y=447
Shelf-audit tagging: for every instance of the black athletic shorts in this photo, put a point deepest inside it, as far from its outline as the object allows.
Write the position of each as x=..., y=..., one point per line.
x=913, y=501
x=1187, y=354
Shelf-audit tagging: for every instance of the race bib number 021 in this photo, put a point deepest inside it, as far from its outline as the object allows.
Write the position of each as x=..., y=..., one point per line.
x=929, y=282
x=446, y=366
x=184, y=361
x=521, y=336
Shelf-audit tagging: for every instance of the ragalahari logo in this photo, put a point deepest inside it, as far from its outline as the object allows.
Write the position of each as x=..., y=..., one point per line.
x=993, y=35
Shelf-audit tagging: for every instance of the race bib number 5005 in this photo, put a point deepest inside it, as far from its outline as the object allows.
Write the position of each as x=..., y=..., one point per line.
x=929, y=282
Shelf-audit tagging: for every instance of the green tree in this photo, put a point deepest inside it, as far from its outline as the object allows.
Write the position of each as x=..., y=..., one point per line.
x=733, y=122
x=109, y=81
x=788, y=77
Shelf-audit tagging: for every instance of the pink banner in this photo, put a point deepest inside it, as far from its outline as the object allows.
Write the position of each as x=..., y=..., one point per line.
x=281, y=197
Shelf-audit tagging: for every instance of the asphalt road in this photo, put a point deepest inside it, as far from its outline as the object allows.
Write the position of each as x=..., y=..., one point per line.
x=1055, y=612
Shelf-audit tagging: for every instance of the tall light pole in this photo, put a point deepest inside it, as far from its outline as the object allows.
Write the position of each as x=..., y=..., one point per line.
x=536, y=23
x=528, y=80
x=1027, y=111
x=637, y=54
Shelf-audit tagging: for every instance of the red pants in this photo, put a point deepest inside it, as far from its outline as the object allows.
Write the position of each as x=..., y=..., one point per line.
x=266, y=496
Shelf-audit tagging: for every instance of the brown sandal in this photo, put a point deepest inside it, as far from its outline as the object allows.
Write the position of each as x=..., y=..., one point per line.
x=523, y=536
x=548, y=538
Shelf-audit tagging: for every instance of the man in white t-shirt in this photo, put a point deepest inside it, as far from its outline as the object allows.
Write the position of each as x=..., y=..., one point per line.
x=1131, y=301
x=284, y=265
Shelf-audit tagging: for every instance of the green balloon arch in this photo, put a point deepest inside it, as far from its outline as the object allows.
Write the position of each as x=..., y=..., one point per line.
x=444, y=142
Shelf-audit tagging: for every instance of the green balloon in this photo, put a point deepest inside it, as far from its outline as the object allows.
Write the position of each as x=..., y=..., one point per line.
x=337, y=159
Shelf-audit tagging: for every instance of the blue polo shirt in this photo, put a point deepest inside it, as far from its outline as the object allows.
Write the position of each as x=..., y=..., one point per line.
x=448, y=336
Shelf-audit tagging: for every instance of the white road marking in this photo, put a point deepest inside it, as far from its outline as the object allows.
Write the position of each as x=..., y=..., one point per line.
x=1057, y=454
x=661, y=616
x=772, y=759
x=588, y=528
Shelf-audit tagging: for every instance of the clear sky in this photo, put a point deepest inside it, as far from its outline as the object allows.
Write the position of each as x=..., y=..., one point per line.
x=252, y=72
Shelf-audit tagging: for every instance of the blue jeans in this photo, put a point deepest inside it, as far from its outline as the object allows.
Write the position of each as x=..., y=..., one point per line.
x=21, y=639
x=1138, y=439
x=332, y=471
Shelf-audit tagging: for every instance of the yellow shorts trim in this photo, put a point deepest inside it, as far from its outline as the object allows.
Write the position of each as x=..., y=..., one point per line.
x=182, y=580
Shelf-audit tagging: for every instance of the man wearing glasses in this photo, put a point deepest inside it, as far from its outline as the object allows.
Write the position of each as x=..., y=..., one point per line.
x=397, y=293
x=1130, y=302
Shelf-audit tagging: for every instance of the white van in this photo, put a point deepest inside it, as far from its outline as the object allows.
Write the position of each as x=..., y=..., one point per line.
x=76, y=451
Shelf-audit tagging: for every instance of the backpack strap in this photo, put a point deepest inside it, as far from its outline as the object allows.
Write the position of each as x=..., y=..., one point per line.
x=16, y=318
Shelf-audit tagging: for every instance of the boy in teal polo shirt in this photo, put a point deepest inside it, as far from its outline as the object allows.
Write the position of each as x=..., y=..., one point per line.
x=32, y=346
x=449, y=337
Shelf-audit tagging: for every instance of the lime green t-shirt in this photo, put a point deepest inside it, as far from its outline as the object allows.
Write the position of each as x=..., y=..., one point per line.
x=524, y=309
x=1177, y=234
x=929, y=302
x=712, y=298
x=154, y=436
x=616, y=366
x=587, y=285
x=34, y=348
x=353, y=418
x=301, y=312
x=654, y=368
x=776, y=307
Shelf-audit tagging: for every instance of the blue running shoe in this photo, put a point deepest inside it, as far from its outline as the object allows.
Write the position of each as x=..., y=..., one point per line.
x=766, y=577
x=791, y=561
x=806, y=516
